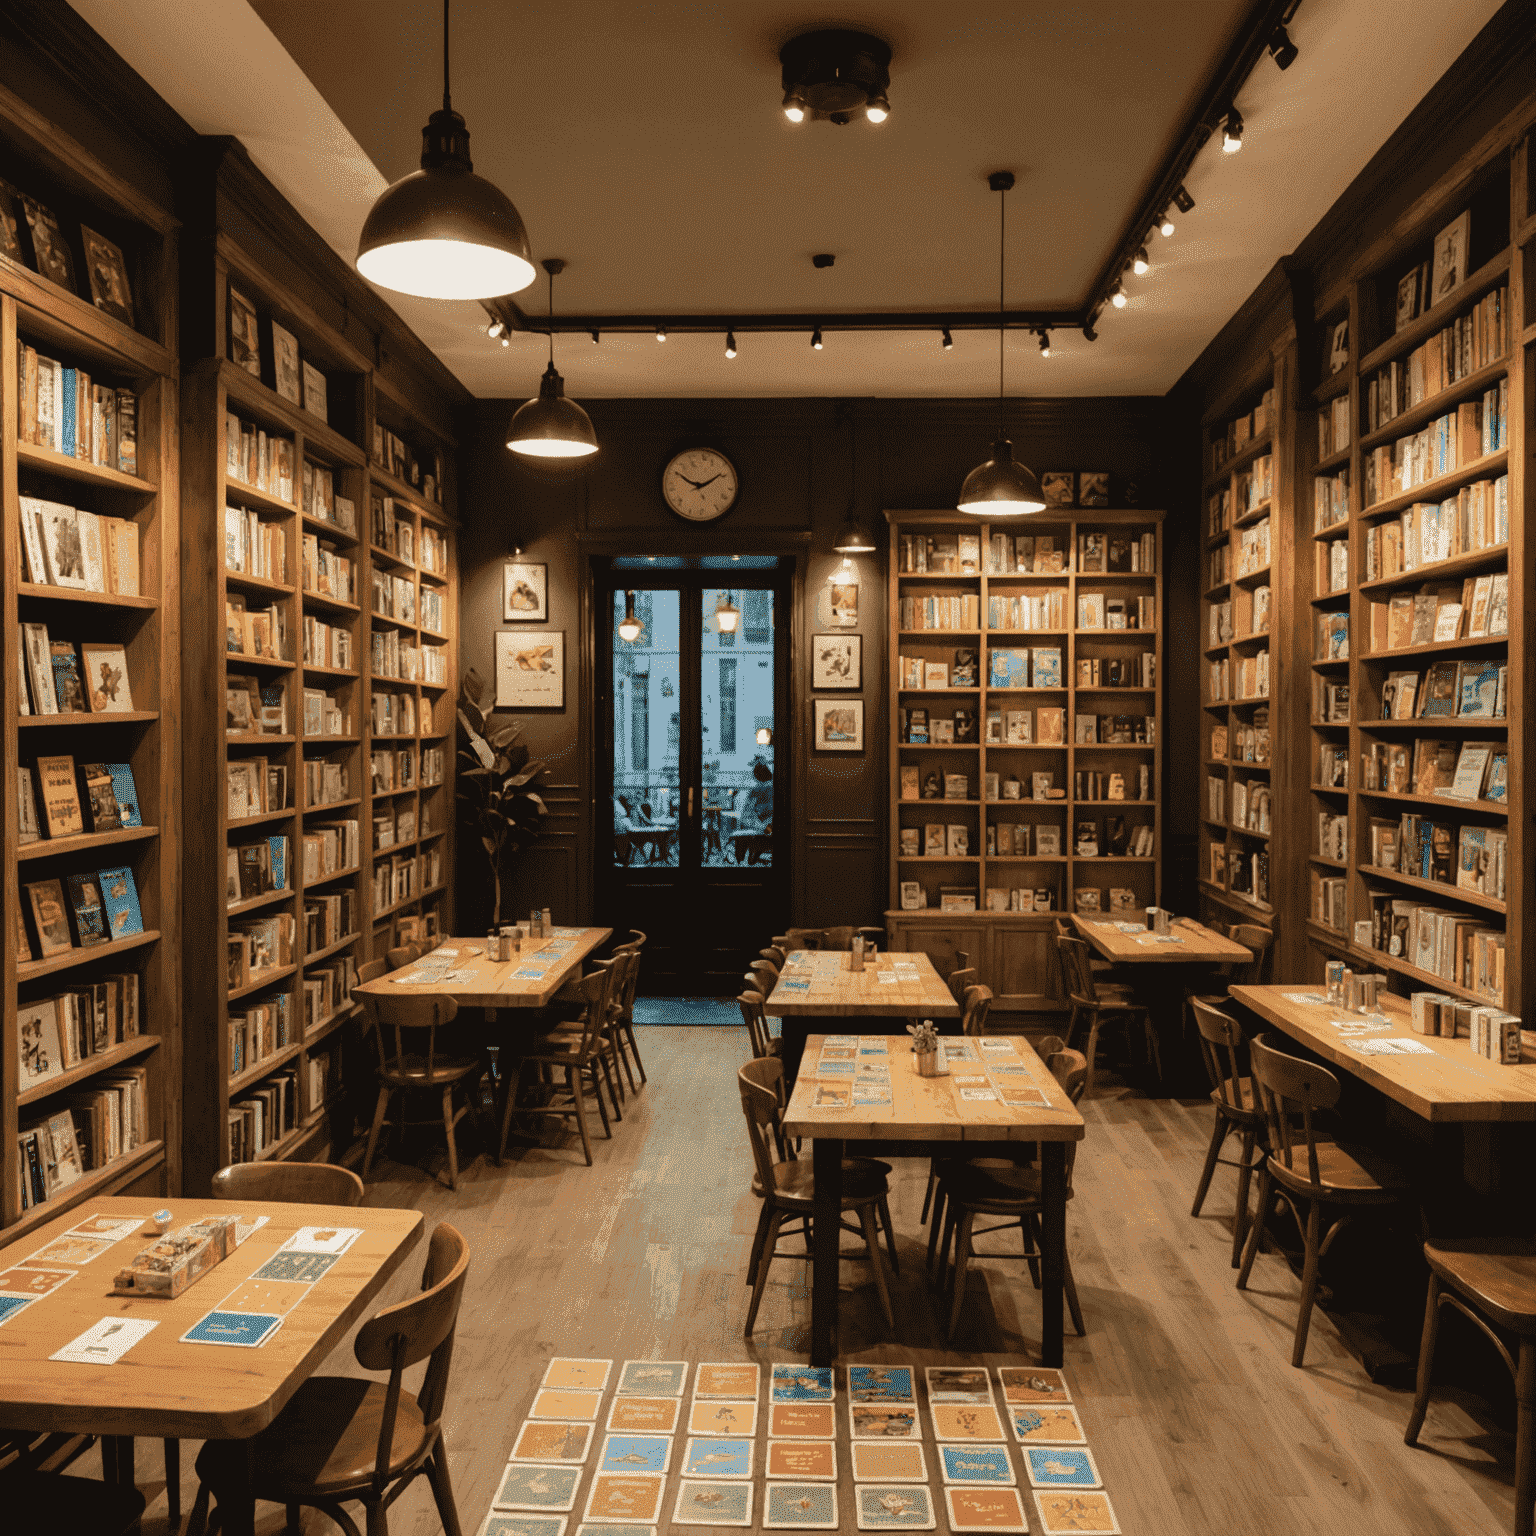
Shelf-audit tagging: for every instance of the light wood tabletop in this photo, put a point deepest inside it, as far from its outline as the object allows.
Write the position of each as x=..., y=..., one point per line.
x=1447, y=1083
x=822, y=982
x=1189, y=942
x=529, y=980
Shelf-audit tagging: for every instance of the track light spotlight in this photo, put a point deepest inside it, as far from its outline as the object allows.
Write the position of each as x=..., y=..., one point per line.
x=1117, y=296
x=494, y=329
x=661, y=333
x=879, y=108
x=949, y=341
x=1232, y=132
x=730, y=343
x=1140, y=263
x=1182, y=199
x=1281, y=49
x=1089, y=332
x=816, y=339
x=1165, y=228
x=794, y=106
x=506, y=338
x=596, y=337
x=1045, y=343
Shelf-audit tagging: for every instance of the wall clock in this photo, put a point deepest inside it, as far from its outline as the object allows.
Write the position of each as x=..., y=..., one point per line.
x=700, y=484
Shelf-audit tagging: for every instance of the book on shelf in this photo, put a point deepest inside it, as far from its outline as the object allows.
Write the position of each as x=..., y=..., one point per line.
x=66, y=411
x=1331, y=642
x=254, y=457
x=64, y=546
x=1470, y=343
x=1461, y=437
x=1045, y=610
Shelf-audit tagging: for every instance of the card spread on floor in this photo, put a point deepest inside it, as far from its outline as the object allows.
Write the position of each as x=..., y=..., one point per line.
x=497, y=1524
x=544, y=1440
x=894, y=1507
x=565, y=1405
x=11, y=1305
x=718, y=1458
x=1047, y=1426
x=813, y=1459
x=801, y=1421
x=608, y=1529
x=245, y=1330
x=279, y=1297
x=1083, y=1514
x=106, y=1342
x=701, y=1503
x=113, y=1228
x=882, y=1384
x=976, y=1464
x=529, y=1487
x=958, y=1384
x=31, y=1283
x=985, y=1509
x=333, y=1240
x=965, y=1421
x=1052, y=1466
x=577, y=1375
x=653, y=1378
x=713, y=1418
x=728, y=1380
x=867, y=1421
x=1033, y=1384
x=69, y=1251
x=636, y=1453
x=303, y=1268
x=812, y=1506
x=651, y=1415
x=801, y=1384
x=632, y=1496
x=903, y=1462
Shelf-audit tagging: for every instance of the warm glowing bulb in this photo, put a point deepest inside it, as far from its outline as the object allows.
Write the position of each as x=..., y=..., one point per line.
x=794, y=106
x=494, y=329
x=1117, y=297
x=878, y=110
x=1140, y=264
x=730, y=344
x=1166, y=227
x=1045, y=343
x=506, y=338
x=949, y=341
x=764, y=736
x=629, y=629
x=1232, y=133
x=661, y=333
x=816, y=339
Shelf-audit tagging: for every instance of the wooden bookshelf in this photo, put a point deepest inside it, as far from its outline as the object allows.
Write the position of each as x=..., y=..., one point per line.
x=46, y=163
x=1014, y=950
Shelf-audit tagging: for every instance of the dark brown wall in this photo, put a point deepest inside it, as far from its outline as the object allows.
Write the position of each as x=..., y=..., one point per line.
x=803, y=463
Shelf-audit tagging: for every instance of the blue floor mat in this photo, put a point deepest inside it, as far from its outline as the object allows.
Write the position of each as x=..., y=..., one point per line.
x=688, y=1010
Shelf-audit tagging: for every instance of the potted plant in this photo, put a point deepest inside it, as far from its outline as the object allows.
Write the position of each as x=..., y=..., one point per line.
x=925, y=1047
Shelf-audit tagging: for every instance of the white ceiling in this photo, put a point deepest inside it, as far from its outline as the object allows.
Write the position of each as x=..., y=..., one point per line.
x=645, y=146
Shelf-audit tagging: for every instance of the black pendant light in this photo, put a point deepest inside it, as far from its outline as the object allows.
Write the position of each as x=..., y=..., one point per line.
x=1001, y=487
x=549, y=426
x=442, y=232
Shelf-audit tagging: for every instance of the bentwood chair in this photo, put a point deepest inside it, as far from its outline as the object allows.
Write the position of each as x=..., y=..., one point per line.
x=756, y=1020
x=343, y=1439
x=773, y=955
x=959, y=979
x=1097, y=1005
x=610, y=1050
x=1236, y=1110
x=975, y=1004
x=1307, y=1169
x=373, y=970
x=402, y=955
x=625, y=1028
x=1251, y=973
x=766, y=974
x=290, y=1183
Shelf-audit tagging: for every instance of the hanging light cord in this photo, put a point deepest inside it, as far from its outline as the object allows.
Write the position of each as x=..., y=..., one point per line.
x=447, y=107
x=1002, y=308
x=551, y=319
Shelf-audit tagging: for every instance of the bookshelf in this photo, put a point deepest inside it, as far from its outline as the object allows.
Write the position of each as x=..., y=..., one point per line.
x=1029, y=682
x=91, y=1057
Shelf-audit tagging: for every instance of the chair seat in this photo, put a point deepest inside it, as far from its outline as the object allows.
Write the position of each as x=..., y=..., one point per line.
x=1346, y=1173
x=33, y=1499
x=323, y=1444
x=863, y=1179
x=995, y=1187
x=411, y=1071
x=1497, y=1274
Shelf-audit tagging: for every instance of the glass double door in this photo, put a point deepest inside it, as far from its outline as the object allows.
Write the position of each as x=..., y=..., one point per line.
x=697, y=804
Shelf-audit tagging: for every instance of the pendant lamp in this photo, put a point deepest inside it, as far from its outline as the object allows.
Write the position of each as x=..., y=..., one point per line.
x=629, y=625
x=549, y=426
x=1001, y=487
x=727, y=615
x=442, y=232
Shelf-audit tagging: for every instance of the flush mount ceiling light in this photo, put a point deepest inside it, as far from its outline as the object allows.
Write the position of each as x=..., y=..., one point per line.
x=1001, y=487
x=836, y=74
x=549, y=426
x=629, y=625
x=727, y=615
x=442, y=232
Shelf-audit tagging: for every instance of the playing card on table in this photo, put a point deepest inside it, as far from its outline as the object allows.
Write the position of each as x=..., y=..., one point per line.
x=545, y=1440
x=832, y=1096
x=577, y=1375
x=11, y=1305
x=812, y=1459
x=1017, y=1096
x=801, y=1384
x=278, y=1297
x=876, y=1461
x=531, y=1487
x=985, y=1509
x=1053, y=1466
x=644, y=1415
x=713, y=1504
x=979, y=1095
x=329, y=1240
x=965, y=1421
x=1033, y=1384
x=552, y=1404
x=871, y=1095
x=623, y=1496
x=894, y=1507
x=636, y=1453
x=717, y=1458
x=498, y=1524
x=244, y=1330
x=106, y=1342
x=113, y=1228
x=70, y=1252
x=801, y=1421
x=729, y=1379
x=1047, y=1426
x=881, y=1384
x=976, y=1464
x=1081, y=1514
x=32, y=1283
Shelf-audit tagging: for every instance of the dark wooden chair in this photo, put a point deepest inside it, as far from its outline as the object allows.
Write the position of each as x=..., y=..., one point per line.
x=766, y=975
x=1237, y=1109
x=763, y=1043
x=872, y=935
x=959, y=979
x=610, y=1058
x=402, y=955
x=292, y=1183
x=975, y=1002
x=626, y=1016
x=800, y=938
x=1307, y=1169
x=342, y=1439
x=773, y=955
x=1261, y=940
x=373, y=970
x=1097, y=1005
x=1102, y=969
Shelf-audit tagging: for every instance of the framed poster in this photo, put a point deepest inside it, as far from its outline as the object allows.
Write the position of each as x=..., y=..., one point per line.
x=845, y=603
x=530, y=669
x=837, y=661
x=839, y=725
x=524, y=593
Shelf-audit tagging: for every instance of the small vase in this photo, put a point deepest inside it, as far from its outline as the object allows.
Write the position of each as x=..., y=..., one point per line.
x=927, y=1063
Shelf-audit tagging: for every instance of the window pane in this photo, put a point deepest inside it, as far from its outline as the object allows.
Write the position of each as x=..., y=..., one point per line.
x=737, y=728
x=645, y=732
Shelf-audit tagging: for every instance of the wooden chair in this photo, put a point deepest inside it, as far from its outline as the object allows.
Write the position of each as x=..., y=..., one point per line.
x=292, y=1183
x=789, y=1192
x=373, y=970
x=578, y=1054
x=402, y=955
x=872, y=935
x=763, y=1043
x=837, y=938
x=766, y=975
x=609, y=1051
x=1251, y=973
x=1330, y=1174
x=1236, y=1109
x=959, y=979
x=799, y=938
x=1101, y=967
x=976, y=1002
x=1492, y=1283
x=773, y=955
x=1097, y=1005
x=625, y=1026
x=402, y=1026
x=342, y=1439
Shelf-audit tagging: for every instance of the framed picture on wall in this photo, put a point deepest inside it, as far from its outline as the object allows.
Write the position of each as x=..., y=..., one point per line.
x=845, y=603
x=530, y=669
x=524, y=593
x=837, y=661
x=839, y=725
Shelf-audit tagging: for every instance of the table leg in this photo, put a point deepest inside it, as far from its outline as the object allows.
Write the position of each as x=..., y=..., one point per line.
x=827, y=1164
x=1053, y=1173
x=237, y=1503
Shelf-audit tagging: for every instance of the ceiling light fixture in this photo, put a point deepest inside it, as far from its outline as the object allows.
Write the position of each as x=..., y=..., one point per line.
x=1117, y=296
x=1140, y=264
x=1001, y=487
x=549, y=426
x=727, y=615
x=597, y=336
x=816, y=339
x=1166, y=227
x=764, y=736
x=1184, y=202
x=661, y=333
x=442, y=232
x=629, y=625
x=853, y=538
x=1281, y=49
x=949, y=341
x=730, y=343
x=494, y=329
x=794, y=106
x=1232, y=132
x=834, y=74
x=879, y=108
x=1045, y=343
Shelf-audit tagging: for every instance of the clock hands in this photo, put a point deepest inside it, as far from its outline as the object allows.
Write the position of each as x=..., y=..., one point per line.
x=698, y=485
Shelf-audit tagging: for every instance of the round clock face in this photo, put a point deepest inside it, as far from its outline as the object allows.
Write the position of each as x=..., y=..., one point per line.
x=700, y=484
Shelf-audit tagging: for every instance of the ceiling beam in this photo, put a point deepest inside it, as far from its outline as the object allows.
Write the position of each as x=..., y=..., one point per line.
x=751, y=325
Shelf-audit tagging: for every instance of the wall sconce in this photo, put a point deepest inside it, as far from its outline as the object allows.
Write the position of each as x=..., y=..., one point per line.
x=764, y=736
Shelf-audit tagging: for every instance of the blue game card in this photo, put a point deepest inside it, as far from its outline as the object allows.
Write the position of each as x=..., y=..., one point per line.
x=976, y=1464
x=636, y=1453
x=1054, y=1466
x=11, y=1305
x=303, y=1267
x=881, y=1383
x=245, y=1329
x=803, y=1383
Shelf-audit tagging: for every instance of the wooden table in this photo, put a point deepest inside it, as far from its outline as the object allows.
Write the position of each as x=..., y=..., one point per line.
x=495, y=983
x=930, y=1117
x=163, y=1388
x=1198, y=945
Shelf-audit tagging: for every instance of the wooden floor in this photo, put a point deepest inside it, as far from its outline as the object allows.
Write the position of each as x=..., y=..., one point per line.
x=1199, y=1424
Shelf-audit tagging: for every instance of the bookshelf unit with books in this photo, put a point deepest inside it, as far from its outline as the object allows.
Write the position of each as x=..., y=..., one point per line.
x=1025, y=700
x=90, y=1093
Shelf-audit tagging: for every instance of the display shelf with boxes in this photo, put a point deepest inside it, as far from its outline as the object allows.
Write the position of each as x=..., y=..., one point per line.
x=1026, y=691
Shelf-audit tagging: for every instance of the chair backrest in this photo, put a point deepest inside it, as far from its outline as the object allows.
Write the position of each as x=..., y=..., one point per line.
x=976, y=1002
x=760, y=1106
x=1048, y=1045
x=400, y=1022
x=636, y=940
x=1287, y=1086
x=1220, y=1038
x=1261, y=941
x=399, y=1336
x=402, y=955
x=756, y=1020
x=767, y=974
x=373, y=970
x=799, y=938
x=1070, y=1069
x=1077, y=970
x=959, y=979
x=872, y=935
x=593, y=992
x=768, y=1072
x=773, y=955
x=292, y=1183
x=837, y=938
x=624, y=1004
x=623, y=969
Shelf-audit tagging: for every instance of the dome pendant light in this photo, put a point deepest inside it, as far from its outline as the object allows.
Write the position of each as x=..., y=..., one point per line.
x=442, y=232
x=1001, y=487
x=549, y=426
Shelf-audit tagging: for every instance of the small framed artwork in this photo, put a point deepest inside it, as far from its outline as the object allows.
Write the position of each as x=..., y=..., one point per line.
x=1450, y=269
x=837, y=661
x=839, y=725
x=845, y=604
x=530, y=669
x=1059, y=486
x=288, y=379
x=314, y=391
x=54, y=259
x=109, y=276
x=1338, y=351
x=1407, y=299
x=524, y=593
x=1093, y=491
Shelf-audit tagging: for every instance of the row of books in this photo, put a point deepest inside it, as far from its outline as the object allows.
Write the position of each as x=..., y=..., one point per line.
x=1330, y=495
x=1330, y=702
x=1473, y=430
x=391, y=656
x=1333, y=434
x=56, y=1034
x=254, y=786
x=394, y=828
x=1046, y=609
x=955, y=611
x=1023, y=840
x=434, y=764
x=255, y=869
x=330, y=848
x=433, y=611
x=65, y=546
x=1327, y=897
x=1467, y=689
x=394, y=714
x=1330, y=636
x=329, y=919
x=1333, y=835
x=1219, y=512
x=1473, y=609
x=325, y=571
x=250, y=631
x=914, y=727
x=1242, y=430
x=63, y=409
x=434, y=550
x=252, y=707
x=95, y=797
x=1248, y=741
x=259, y=944
x=1114, y=841
x=1251, y=805
x=61, y=680
x=1472, y=858
x=99, y=1124
x=1331, y=567
x=1247, y=872
x=1118, y=898
x=1253, y=548
x=395, y=532
x=936, y=840
x=1094, y=784
x=1114, y=730
x=1246, y=614
x=392, y=770
x=1470, y=342
x=1467, y=770
x=264, y=1116
x=259, y=1031
x=917, y=784
x=102, y=907
x=1100, y=672
x=1215, y=798
x=392, y=453
x=1220, y=572
x=1255, y=486
x=1454, y=946
x=254, y=546
x=254, y=457
x=1238, y=679
x=321, y=1078
x=1476, y=517
x=1022, y=728
x=1015, y=667
x=326, y=988
x=327, y=645
x=326, y=781
x=396, y=879
x=393, y=597
x=325, y=714
x=1098, y=610
x=320, y=500
x=1113, y=551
